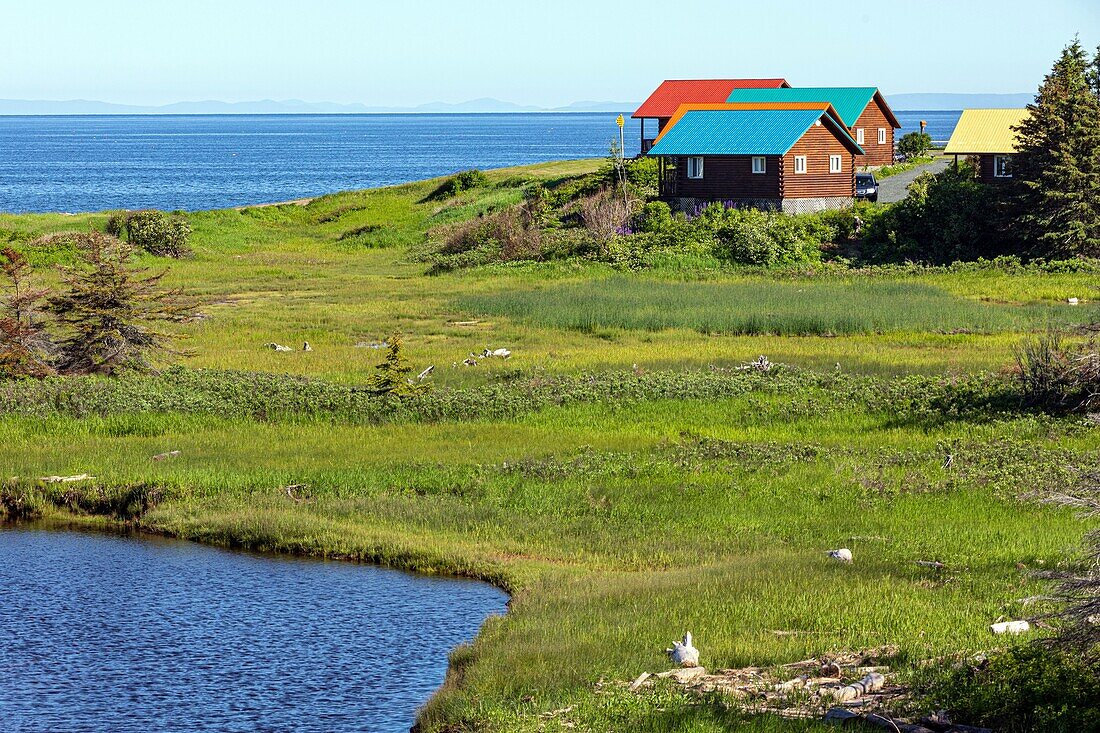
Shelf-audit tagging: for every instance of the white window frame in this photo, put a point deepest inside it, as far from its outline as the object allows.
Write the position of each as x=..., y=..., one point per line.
x=763, y=164
x=695, y=161
x=859, y=135
x=882, y=136
x=800, y=164
x=1007, y=169
x=836, y=164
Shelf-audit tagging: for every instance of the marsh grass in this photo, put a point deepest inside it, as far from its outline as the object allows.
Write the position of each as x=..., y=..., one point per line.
x=774, y=308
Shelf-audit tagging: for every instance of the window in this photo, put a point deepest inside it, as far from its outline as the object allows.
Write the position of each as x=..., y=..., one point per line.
x=882, y=136
x=758, y=164
x=1002, y=166
x=800, y=164
x=695, y=167
x=859, y=135
x=835, y=164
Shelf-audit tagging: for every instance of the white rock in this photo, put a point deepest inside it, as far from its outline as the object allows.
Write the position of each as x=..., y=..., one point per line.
x=1072, y=301
x=683, y=653
x=1010, y=627
x=841, y=555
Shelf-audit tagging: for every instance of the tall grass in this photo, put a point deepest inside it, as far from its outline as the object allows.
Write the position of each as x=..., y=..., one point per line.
x=763, y=307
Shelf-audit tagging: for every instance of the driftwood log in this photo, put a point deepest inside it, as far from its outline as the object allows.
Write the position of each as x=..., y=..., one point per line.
x=66, y=479
x=871, y=682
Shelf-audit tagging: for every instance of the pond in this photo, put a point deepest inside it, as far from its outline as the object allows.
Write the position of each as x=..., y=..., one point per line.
x=110, y=633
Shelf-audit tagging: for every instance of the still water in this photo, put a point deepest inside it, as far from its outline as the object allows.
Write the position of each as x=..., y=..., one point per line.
x=105, y=633
x=90, y=163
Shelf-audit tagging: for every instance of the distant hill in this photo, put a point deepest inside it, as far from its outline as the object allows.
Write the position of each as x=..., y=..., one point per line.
x=935, y=101
x=287, y=106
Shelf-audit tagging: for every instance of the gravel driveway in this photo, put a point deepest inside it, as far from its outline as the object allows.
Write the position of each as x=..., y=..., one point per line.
x=893, y=188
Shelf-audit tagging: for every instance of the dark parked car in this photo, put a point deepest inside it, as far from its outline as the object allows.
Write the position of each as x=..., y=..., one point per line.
x=866, y=187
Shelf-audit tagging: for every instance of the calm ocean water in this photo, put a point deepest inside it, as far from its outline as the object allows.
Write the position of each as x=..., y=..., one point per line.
x=90, y=163
x=102, y=633
x=941, y=123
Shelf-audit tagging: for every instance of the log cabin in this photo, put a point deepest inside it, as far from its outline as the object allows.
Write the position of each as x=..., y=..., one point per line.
x=864, y=111
x=659, y=107
x=792, y=157
x=988, y=135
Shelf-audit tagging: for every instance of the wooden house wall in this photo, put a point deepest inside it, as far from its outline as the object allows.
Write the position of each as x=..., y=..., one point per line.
x=872, y=118
x=727, y=177
x=817, y=145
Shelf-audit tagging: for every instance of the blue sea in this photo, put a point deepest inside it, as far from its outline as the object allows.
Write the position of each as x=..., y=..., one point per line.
x=940, y=123
x=91, y=163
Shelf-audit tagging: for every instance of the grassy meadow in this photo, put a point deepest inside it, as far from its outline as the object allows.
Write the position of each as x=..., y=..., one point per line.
x=618, y=511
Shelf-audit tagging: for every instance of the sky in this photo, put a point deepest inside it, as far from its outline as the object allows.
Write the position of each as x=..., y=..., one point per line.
x=543, y=52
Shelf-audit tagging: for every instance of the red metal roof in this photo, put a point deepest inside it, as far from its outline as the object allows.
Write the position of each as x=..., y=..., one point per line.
x=673, y=92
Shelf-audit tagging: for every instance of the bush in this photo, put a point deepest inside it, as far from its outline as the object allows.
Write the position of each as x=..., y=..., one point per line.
x=116, y=224
x=765, y=238
x=915, y=144
x=460, y=183
x=846, y=224
x=1057, y=376
x=158, y=233
x=642, y=174
x=505, y=236
x=655, y=217
x=605, y=215
x=945, y=217
x=1024, y=689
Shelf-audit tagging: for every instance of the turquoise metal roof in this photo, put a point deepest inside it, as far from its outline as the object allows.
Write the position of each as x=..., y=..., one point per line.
x=848, y=101
x=736, y=132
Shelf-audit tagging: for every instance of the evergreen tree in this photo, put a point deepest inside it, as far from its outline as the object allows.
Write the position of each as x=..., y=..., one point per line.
x=394, y=375
x=108, y=310
x=1056, y=205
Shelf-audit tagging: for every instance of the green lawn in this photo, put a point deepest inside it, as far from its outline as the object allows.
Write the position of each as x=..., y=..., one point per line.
x=622, y=518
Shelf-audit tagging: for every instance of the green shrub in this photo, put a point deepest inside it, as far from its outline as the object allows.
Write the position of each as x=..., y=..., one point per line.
x=116, y=224
x=945, y=217
x=769, y=239
x=502, y=237
x=460, y=183
x=642, y=174
x=159, y=234
x=656, y=216
x=915, y=144
x=1024, y=689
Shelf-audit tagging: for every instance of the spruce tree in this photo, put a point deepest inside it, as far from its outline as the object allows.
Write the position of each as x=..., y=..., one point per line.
x=109, y=310
x=1056, y=206
x=394, y=374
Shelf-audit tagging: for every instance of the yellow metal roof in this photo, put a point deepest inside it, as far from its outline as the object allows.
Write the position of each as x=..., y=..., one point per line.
x=985, y=131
